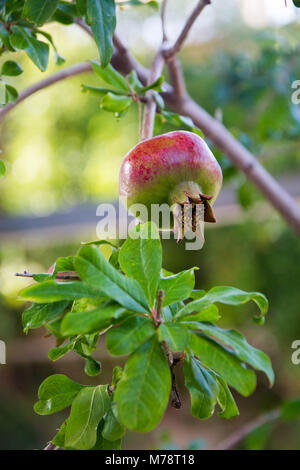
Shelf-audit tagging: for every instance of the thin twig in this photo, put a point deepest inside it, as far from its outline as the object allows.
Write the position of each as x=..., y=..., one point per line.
x=160, y=299
x=186, y=29
x=237, y=436
x=50, y=446
x=150, y=107
x=163, y=19
x=63, y=277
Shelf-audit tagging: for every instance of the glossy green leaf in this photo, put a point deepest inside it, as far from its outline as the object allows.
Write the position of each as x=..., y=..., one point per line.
x=88, y=408
x=11, y=68
x=52, y=291
x=229, y=296
x=105, y=444
x=93, y=268
x=56, y=353
x=143, y=393
x=59, y=438
x=56, y=393
x=99, y=92
x=243, y=350
x=75, y=323
x=115, y=103
x=203, y=387
x=39, y=11
x=102, y=18
x=296, y=3
x=92, y=367
x=39, y=314
x=141, y=259
x=178, y=286
x=226, y=401
x=65, y=13
x=209, y=314
x=156, y=85
x=129, y=335
x=113, y=430
x=36, y=50
x=11, y=93
x=225, y=363
x=175, y=334
x=111, y=76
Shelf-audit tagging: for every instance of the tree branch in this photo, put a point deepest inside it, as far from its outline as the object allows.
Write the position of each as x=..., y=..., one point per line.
x=56, y=77
x=186, y=29
x=150, y=107
x=237, y=436
x=124, y=62
x=63, y=277
x=163, y=19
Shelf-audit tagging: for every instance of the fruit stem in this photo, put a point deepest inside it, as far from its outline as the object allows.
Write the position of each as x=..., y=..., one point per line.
x=150, y=107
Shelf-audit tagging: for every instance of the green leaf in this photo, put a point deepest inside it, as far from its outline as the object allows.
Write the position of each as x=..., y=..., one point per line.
x=11, y=93
x=37, y=51
x=226, y=401
x=92, y=367
x=178, y=120
x=296, y=3
x=156, y=86
x=115, y=103
x=228, y=296
x=104, y=444
x=209, y=314
x=65, y=13
x=129, y=335
x=141, y=259
x=88, y=408
x=56, y=393
x=143, y=393
x=52, y=291
x=203, y=387
x=113, y=430
x=2, y=168
x=39, y=11
x=39, y=314
x=225, y=363
x=11, y=68
x=75, y=323
x=93, y=268
x=243, y=350
x=102, y=18
x=99, y=92
x=178, y=286
x=4, y=36
x=176, y=335
x=59, y=438
x=110, y=76
x=56, y=353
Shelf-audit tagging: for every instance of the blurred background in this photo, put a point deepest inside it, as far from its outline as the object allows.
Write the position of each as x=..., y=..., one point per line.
x=63, y=156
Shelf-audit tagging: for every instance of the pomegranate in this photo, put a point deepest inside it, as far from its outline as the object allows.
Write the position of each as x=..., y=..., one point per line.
x=176, y=168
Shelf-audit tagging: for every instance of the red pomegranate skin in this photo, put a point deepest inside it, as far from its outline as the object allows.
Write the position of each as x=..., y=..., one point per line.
x=162, y=169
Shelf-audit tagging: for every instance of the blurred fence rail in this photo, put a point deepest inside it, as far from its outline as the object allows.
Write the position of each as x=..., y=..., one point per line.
x=81, y=221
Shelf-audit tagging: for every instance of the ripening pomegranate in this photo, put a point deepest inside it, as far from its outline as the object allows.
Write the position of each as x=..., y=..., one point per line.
x=176, y=168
